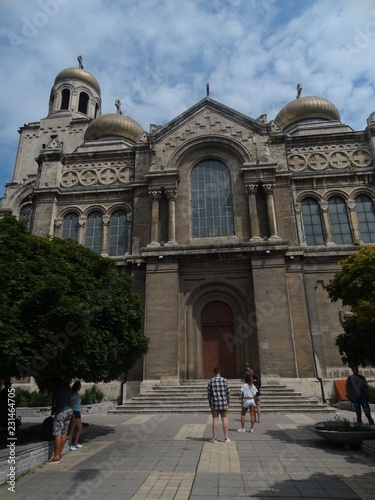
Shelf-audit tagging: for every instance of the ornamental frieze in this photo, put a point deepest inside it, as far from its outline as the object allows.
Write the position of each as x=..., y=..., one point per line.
x=105, y=174
x=329, y=157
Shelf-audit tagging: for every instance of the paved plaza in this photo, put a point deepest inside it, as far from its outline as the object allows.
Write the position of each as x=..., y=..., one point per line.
x=171, y=457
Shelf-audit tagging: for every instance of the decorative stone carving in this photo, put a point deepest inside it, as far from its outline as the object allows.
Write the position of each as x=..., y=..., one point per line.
x=329, y=156
x=105, y=173
x=297, y=162
x=171, y=194
x=88, y=177
x=361, y=158
x=54, y=144
x=371, y=120
x=107, y=176
x=251, y=189
x=69, y=179
x=339, y=159
x=317, y=161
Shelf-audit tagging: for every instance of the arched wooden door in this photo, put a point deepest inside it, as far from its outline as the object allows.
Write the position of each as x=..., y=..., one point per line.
x=218, y=346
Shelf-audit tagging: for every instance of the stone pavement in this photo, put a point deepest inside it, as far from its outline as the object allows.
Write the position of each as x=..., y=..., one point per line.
x=170, y=457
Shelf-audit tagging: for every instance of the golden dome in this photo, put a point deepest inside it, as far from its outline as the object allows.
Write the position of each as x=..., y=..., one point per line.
x=305, y=108
x=113, y=124
x=78, y=74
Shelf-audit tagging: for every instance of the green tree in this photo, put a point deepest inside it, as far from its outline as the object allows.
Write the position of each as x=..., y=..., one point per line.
x=354, y=284
x=64, y=310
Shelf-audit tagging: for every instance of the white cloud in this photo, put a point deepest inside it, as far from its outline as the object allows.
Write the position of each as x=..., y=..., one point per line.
x=156, y=55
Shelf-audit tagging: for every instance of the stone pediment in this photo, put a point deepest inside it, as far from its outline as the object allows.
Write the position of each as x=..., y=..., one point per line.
x=209, y=117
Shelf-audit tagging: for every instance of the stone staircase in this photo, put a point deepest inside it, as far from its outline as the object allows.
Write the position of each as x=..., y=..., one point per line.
x=191, y=397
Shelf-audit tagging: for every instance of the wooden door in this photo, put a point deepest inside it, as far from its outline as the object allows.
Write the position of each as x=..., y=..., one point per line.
x=218, y=346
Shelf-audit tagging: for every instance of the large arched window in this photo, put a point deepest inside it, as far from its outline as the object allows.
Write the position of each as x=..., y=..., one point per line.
x=366, y=218
x=339, y=220
x=211, y=200
x=118, y=232
x=94, y=226
x=70, y=226
x=83, y=102
x=312, y=222
x=65, y=98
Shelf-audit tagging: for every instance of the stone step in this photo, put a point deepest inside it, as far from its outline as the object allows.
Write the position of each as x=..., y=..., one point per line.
x=191, y=397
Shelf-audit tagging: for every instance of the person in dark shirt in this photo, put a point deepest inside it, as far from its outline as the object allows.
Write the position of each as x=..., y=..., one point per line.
x=357, y=391
x=62, y=398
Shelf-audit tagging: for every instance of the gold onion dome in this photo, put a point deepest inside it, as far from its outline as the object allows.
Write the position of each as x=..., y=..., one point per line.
x=78, y=74
x=306, y=108
x=113, y=124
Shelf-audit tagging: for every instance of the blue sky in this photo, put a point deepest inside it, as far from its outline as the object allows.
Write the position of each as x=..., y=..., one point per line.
x=156, y=56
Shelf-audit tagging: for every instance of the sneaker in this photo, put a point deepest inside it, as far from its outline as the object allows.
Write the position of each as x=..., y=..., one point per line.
x=227, y=440
x=73, y=448
x=241, y=430
x=213, y=440
x=53, y=460
x=78, y=445
x=251, y=430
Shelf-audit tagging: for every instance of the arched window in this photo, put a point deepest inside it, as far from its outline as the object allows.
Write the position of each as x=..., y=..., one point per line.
x=25, y=214
x=70, y=226
x=83, y=102
x=96, y=110
x=312, y=222
x=366, y=218
x=65, y=98
x=339, y=220
x=94, y=228
x=117, y=233
x=211, y=200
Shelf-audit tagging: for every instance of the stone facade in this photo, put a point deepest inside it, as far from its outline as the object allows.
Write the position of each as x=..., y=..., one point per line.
x=230, y=226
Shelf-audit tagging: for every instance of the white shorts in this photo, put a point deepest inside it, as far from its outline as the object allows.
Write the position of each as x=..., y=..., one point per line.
x=246, y=403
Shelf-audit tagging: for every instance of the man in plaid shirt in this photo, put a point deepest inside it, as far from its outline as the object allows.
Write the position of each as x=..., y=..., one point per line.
x=218, y=393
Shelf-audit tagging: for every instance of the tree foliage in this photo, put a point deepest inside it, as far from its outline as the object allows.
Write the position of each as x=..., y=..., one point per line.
x=64, y=310
x=354, y=284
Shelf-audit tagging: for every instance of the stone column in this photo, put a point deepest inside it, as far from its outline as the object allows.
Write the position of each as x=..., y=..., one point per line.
x=57, y=232
x=105, y=236
x=252, y=190
x=300, y=227
x=171, y=197
x=81, y=230
x=155, y=199
x=268, y=191
x=327, y=223
x=129, y=219
x=353, y=217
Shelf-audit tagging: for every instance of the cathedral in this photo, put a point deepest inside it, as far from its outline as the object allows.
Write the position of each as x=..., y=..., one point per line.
x=231, y=226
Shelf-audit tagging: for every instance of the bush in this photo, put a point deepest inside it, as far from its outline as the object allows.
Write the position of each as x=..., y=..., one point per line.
x=92, y=395
x=21, y=396
x=30, y=399
x=39, y=399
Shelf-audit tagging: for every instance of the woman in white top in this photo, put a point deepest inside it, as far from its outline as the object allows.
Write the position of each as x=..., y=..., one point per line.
x=249, y=392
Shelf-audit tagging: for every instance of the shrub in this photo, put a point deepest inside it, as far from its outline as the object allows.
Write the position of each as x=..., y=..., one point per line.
x=39, y=399
x=21, y=396
x=25, y=398
x=92, y=395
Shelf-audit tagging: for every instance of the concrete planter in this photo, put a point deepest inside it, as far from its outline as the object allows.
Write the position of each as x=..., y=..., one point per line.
x=346, y=437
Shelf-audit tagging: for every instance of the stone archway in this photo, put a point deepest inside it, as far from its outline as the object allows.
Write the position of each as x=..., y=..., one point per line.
x=218, y=348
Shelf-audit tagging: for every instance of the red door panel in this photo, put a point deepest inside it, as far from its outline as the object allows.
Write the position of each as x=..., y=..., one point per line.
x=218, y=346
